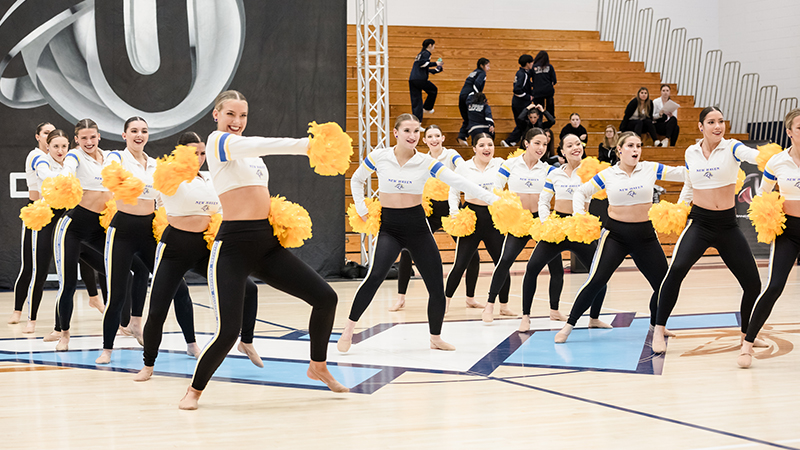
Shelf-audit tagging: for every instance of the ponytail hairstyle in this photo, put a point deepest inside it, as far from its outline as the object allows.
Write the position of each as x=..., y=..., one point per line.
x=793, y=114
x=189, y=137
x=482, y=62
x=84, y=124
x=42, y=125
x=402, y=118
x=480, y=136
x=225, y=96
x=132, y=119
x=530, y=134
x=56, y=133
x=707, y=110
x=427, y=43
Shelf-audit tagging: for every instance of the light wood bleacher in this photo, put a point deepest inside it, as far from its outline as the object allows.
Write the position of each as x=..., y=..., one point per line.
x=593, y=80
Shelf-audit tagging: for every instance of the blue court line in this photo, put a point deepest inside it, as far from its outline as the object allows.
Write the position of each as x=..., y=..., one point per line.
x=257, y=319
x=700, y=321
x=644, y=414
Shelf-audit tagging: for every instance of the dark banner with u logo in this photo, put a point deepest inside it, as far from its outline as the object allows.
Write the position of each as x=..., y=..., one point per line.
x=166, y=60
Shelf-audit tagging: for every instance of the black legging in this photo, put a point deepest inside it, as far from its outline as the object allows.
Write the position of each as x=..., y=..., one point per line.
x=90, y=279
x=467, y=249
x=440, y=208
x=543, y=253
x=517, y=105
x=512, y=247
x=415, y=88
x=37, y=252
x=640, y=126
x=463, y=109
x=618, y=240
x=547, y=103
x=404, y=228
x=668, y=126
x=245, y=247
x=718, y=229
x=783, y=254
x=177, y=253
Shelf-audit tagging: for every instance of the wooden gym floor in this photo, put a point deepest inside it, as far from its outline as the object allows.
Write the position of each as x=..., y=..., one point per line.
x=603, y=389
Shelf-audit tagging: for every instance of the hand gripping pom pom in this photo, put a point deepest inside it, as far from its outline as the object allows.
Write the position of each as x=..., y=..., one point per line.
x=552, y=230
x=766, y=213
x=290, y=222
x=515, y=153
x=740, y=181
x=668, y=217
x=373, y=223
x=62, y=192
x=160, y=223
x=36, y=215
x=108, y=213
x=213, y=227
x=590, y=167
x=460, y=225
x=436, y=190
x=583, y=228
x=330, y=148
x=765, y=152
x=125, y=186
x=172, y=170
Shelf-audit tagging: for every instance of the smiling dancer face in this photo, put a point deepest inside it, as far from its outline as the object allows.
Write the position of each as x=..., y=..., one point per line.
x=573, y=150
x=712, y=125
x=484, y=150
x=406, y=131
x=434, y=139
x=231, y=114
x=87, y=136
x=535, y=145
x=136, y=134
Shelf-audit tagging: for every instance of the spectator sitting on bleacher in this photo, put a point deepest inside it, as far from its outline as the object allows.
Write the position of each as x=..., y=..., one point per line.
x=523, y=96
x=472, y=85
x=544, y=78
x=532, y=117
x=608, y=149
x=666, y=124
x=480, y=116
x=574, y=127
x=639, y=116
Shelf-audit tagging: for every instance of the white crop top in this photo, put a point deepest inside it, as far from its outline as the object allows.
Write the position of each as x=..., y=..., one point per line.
x=234, y=161
x=561, y=185
x=450, y=158
x=624, y=190
x=782, y=170
x=86, y=169
x=194, y=198
x=471, y=172
x=30, y=175
x=407, y=179
x=520, y=179
x=144, y=173
x=720, y=169
x=45, y=167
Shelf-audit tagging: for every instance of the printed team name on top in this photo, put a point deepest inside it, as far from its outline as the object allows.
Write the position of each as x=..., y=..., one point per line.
x=400, y=184
x=707, y=171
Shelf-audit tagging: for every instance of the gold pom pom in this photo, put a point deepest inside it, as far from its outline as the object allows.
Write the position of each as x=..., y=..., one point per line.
x=507, y=211
x=330, y=148
x=125, y=186
x=600, y=195
x=160, y=223
x=213, y=227
x=583, y=228
x=668, y=217
x=765, y=152
x=373, y=223
x=427, y=206
x=436, y=189
x=740, y=180
x=766, y=214
x=108, y=213
x=36, y=215
x=173, y=169
x=460, y=225
x=62, y=192
x=551, y=230
x=515, y=153
x=590, y=167
x=290, y=222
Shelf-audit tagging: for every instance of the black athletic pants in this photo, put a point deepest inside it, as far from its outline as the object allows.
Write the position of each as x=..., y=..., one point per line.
x=718, y=229
x=404, y=228
x=668, y=127
x=547, y=103
x=463, y=109
x=416, y=87
x=641, y=126
x=37, y=252
x=517, y=105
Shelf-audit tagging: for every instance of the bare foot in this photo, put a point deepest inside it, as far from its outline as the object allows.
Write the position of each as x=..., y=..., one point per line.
x=561, y=336
x=52, y=337
x=31, y=327
x=659, y=343
x=63, y=343
x=472, y=303
x=250, y=351
x=505, y=311
x=189, y=401
x=125, y=331
x=597, y=323
x=104, y=357
x=557, y=315
x=318, y=370
x=193, y=350
x=96, y=303
x=524, y=324
x=438, y=344
x=144, y=374
x=346, y=339
x=488, y=313
x=136, y=329
x=15, y=316
x=399, y=304
x=668, y=333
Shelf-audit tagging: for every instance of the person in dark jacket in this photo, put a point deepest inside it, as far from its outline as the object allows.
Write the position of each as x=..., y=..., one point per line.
x=523, y=96
x=532, y=117
x=472, y=85
x=543, y=79
x=574, y=127
x=639, y=116
x=480, y=117
x=607, y=152
x=418, y=80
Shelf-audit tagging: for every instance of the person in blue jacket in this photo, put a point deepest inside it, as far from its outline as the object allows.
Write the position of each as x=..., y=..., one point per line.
x=418, y=80
x=523, y=96
x=472, y=85
x=480, y=117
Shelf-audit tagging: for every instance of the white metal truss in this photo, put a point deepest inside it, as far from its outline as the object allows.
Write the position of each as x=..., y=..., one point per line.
x=373, y=90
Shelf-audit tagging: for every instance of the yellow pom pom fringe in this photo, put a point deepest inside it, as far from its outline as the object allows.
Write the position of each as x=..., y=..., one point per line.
x=125, y=186
x=329, y=149
x=36, y=215
x=583, y=228
x=515, y=153
x=436, y=190
x=108, y=213
x=590, y=167
x=551, y=230
x=62, y=192
x=460, y=225
x=740, y=180
x=213, y=227
x=427, y=206
x=373, y=223
x=160, y=223
x=765, y=152
x=172, y=170
x=509, y=216
x=668, y=217
x=290, y=222
x=766, y=214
